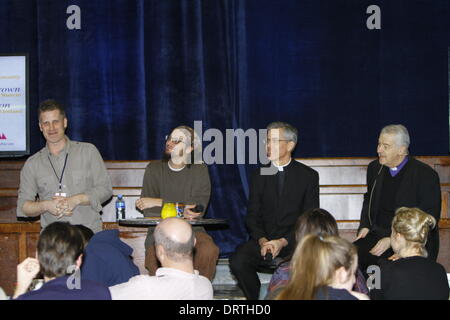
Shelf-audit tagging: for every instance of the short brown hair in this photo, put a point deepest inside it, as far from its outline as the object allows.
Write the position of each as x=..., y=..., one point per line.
x=50, y=105
x=59, y=246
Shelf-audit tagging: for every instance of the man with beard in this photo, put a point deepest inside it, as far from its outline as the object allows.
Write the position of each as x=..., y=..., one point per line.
x=176, y=178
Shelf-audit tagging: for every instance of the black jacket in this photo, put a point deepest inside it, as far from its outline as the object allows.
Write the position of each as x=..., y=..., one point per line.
x=273, y=216
x=412, y=278
x=419, y=188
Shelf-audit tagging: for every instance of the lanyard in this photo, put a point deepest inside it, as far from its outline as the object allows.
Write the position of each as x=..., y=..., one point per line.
x=62, y=173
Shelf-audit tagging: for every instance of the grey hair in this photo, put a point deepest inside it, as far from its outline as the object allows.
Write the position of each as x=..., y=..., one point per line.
x=400, y=132
x=175, y=250
x=290, y=132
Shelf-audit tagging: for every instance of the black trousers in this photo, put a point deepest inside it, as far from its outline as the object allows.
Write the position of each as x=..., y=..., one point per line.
x=245, y=263
x=365, y=258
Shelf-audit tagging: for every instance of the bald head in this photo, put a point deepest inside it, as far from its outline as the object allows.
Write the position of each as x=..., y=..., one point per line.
x=176, y=237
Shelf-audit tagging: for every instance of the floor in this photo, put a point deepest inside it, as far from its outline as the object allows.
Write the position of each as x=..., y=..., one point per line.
x=225, y=285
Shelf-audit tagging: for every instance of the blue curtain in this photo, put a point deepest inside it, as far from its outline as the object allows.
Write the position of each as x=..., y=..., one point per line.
x=138, y=68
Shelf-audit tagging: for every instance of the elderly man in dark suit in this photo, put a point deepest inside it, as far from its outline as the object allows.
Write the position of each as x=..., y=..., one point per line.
x=395, y=180
x=276, y=201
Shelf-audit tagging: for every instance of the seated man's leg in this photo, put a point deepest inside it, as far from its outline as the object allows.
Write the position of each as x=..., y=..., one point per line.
x=205, y=255
x=365, y=258
x=243, y=264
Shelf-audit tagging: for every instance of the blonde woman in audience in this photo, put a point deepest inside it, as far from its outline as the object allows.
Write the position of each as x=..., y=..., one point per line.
x=323, y=268
x=411, y=275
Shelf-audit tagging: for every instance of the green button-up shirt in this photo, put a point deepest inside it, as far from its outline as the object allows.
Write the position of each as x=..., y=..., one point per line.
x=85, y=172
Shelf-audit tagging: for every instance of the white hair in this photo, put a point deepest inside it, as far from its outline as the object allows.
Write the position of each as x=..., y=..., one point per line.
x=290, y=132
x=400, y=132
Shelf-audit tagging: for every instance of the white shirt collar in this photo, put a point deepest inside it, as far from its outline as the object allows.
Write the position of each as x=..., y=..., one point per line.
x=175, y=272
x=281, y=168
x=174, y=169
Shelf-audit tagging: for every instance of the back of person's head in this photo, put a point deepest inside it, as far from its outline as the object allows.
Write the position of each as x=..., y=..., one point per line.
x=414, y=225
x=316, y=221
x=85, y=232
x=314, y=264
x=59, y=246
x=175, y=236
x=50, y=105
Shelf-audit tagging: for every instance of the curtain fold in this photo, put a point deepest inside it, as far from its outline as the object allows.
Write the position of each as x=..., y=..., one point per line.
x=138, y=68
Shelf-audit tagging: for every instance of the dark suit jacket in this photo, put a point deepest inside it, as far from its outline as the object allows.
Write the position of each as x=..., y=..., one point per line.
x=273, y=216
x=420, y=188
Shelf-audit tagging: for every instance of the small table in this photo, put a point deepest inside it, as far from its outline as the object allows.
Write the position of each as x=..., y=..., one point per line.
x=153, y=221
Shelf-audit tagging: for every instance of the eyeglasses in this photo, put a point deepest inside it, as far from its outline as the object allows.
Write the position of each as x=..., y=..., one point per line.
x=274, y=141
x=174, y=140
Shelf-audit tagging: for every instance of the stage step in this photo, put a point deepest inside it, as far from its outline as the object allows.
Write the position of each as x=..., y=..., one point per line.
x=225, y=284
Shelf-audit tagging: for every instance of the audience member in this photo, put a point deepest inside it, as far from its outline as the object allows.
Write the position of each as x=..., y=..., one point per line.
x=411, y=275
x=86, y=233
x=323, y=268
x=318, y=222
x=59, y=250
x=177, y=279
x=107, y=259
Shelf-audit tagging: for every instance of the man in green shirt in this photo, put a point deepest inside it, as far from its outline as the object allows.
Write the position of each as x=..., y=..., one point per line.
x=176, y=178
x=69, y=177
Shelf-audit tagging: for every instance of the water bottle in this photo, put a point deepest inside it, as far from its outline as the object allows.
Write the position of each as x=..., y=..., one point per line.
x=120, y=208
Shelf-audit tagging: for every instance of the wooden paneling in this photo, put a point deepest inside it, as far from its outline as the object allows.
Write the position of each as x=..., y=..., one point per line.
x=10, y=174
x=126, y=177
x=342, y=185
x=9, y=258
x=341, y=175
x=342, y=205
x=8, y=206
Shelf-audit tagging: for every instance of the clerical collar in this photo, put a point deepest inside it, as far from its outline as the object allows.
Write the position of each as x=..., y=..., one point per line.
x=395, y=170
x=175, y=169
x=281, y=168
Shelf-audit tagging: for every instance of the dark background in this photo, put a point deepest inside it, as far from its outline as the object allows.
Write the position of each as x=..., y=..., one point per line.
x=138, y=68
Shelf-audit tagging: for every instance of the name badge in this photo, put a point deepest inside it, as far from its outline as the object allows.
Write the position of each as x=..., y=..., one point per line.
x=61, y=194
